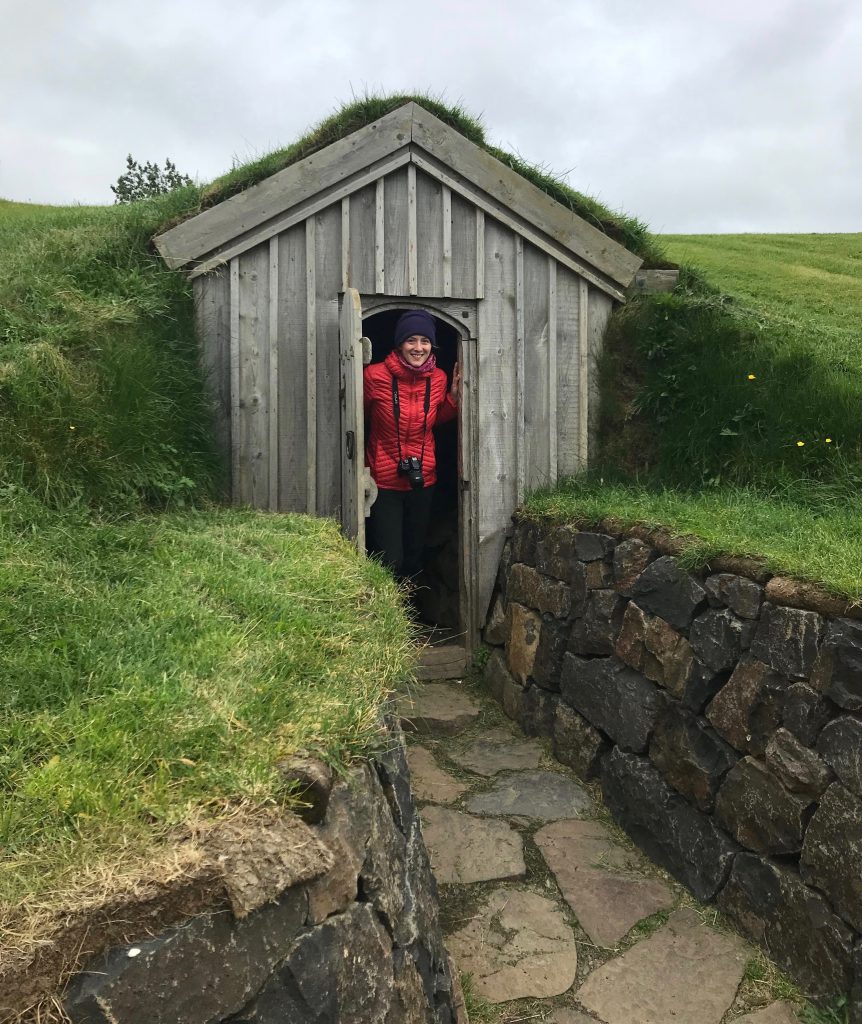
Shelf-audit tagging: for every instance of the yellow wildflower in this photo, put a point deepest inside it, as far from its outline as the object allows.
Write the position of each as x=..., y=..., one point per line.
x=828, y=440
x=752, y=377
x=800, y=444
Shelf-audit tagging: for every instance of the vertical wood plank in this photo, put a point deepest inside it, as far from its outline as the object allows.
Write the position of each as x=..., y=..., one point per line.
x=395, y=216
x=496, y=401
x=345, y=243
x=213, y=323
x=380, y=237
x=520, y=460
x=583, y=373
x=311, y=364
x=552, y=371
x=480, y=253
x=601, y=306
x=351, y=420
x=362, y=229
x=234, y=381
x=327, y=281
x=254, y=350
x=447, y=241
x=429, y=235
x=463, y=236
x=273, y=373
x=412, y=268
x=293, y=430
x=536, y=359
x=568, y=368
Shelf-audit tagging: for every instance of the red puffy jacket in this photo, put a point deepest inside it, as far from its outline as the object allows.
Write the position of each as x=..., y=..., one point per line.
x=381, y=447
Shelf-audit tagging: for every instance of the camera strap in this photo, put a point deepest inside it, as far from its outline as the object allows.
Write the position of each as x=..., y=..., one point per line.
x=396, y=413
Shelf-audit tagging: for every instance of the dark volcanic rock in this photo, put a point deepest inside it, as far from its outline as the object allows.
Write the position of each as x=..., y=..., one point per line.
x=792, y=922
x=855, y=1003
x=805, y=712
x=616, y=699
x=691, y=756
x=692, y=848
x=577, y=743
x=747, y=709
x=759, y=812
x=596, y=631
x=495, y=630
x=592, y=547
x=788, y=640
x=556, y=556
x=598, y=575
x=666, y=590
x=744, y=597
x=538, y=711
x=838, y=672
x=718, y=638
x=800, y=769
x=160, y=985
x=529, y=587
x=840, y=743
x=497, y=675
x=631, y=557
x=832, y=854
x=548, y=663
x=525, y=541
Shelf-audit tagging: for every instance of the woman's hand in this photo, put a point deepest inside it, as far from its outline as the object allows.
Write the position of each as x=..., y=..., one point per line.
x=455, y=389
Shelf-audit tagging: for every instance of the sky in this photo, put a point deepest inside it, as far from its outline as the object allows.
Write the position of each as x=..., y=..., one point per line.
x=695, y=116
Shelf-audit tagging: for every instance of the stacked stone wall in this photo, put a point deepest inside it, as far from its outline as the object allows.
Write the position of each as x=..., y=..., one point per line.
x=361, y=943
x=723, y=723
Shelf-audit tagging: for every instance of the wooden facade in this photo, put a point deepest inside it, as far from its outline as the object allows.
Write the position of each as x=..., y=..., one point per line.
x=406, y=213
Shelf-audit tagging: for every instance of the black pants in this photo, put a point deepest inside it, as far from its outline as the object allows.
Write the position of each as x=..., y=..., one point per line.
x=397, y=528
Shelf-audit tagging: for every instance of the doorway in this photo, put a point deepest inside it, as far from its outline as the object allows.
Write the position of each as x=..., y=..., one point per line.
x=438, y=596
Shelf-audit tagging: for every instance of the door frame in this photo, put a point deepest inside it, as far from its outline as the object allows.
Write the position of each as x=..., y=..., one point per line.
x=461, y=315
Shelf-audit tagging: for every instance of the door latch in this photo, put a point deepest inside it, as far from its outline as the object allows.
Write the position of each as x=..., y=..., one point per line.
x=351, y=445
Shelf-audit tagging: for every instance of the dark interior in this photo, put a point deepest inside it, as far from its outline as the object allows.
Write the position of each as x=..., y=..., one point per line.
x=436, y=596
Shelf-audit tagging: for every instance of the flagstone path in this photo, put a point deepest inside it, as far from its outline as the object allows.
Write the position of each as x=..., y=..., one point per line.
x=551, y=912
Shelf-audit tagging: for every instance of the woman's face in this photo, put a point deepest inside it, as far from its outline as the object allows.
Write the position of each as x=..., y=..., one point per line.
x=416, y=349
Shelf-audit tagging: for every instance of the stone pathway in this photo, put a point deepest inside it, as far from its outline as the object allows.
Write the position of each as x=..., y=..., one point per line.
x=555, y=918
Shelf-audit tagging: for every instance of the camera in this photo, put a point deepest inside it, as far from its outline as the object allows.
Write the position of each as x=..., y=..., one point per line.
x=411, y=467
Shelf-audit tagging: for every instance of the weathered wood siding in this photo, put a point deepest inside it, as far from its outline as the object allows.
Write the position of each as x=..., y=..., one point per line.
x=270, y=330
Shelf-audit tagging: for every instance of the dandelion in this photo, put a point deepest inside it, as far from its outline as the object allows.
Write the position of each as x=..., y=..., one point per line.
x=800, y=444
x=71, y=426
x=751, y=376
x=828, y=440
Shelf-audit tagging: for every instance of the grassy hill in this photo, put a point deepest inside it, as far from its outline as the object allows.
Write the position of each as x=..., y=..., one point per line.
x=732, y=406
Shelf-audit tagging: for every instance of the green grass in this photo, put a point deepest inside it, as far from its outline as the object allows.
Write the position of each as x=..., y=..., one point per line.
x=156, y=669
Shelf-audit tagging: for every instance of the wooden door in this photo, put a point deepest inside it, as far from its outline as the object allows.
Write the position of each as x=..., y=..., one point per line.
x=352, y=423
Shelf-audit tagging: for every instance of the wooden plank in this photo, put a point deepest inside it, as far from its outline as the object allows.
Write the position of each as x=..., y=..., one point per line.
x=297, y=214
x=429, y=235
x=583, y=373
x=600, y=309
x=463, y=234
x=213, y=323
x=352, y=432
x=553, y=471
x=508, y=217
x=536, y=376
x=345, y=243
x=293, y=359
x=272, y=396
x=380, y=235
x=568, y=368
x=254, y=376
x=327, y=281
x=363, y=229
x=395, y=218
x=234, y=382
x=520, y=440
x=412, y=268
x=515, y=192
x=447, y=240
x=283, y=190
x=311, y=364
x=480, y=253
x=496, y=399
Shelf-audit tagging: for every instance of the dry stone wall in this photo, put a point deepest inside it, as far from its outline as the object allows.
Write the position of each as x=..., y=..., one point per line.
x=360, y=944
x=725, y=729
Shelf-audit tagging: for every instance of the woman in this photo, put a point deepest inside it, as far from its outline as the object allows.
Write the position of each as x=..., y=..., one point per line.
x=405, y=396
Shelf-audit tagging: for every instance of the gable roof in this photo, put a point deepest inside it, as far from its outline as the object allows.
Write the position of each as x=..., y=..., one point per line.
x=409, y=134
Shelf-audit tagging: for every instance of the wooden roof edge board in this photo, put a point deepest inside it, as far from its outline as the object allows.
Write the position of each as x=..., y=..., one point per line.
x=494, y=208
x=244, y=211
x=516, y=192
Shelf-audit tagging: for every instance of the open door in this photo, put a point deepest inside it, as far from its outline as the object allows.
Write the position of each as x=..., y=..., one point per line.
x=353, y=476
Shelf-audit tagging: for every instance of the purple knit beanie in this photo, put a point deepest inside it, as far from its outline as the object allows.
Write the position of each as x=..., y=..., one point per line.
x=415, y=321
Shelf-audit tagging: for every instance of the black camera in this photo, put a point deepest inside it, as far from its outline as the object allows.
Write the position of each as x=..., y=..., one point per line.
x=411, y=467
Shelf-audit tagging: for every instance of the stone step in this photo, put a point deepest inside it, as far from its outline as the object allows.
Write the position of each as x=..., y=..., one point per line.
x=446, y=661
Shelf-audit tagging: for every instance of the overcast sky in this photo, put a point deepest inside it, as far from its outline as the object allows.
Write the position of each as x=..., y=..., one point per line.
x=741, y=115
